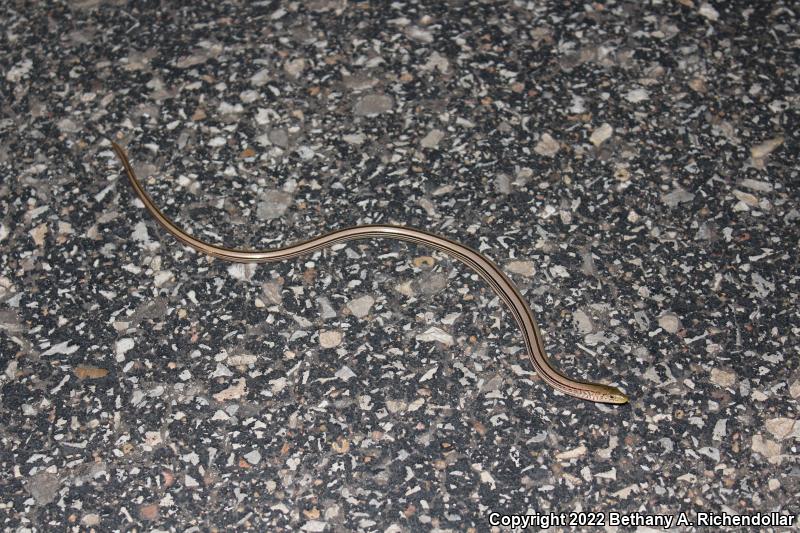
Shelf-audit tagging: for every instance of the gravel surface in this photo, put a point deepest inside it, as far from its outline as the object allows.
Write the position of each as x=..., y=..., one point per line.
x=631, y=167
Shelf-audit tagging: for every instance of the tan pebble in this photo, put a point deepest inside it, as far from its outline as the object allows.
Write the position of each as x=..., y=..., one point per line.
x=698, y=85
x=771, y=450
x=424, y=261
x=783, y=428
x=341, y=445
x=89, y=372
x=38, y=233
x=523, y=268
x=723, y=378
x=91, y=519
x=746, y=197
x=765, y=148
x=149, y=511
x=330, y=338
x=601, y=134
x=547, y=146
x=669, y=322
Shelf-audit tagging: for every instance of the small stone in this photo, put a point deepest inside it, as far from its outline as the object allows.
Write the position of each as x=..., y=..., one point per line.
x=609, y=474
x=345, y=374
x=698, y=85
x=220, y=415
x=559, y=271
x=43, y=486
x=437, y=62
x=90, y=372
x=502, y=184
x=418, y=34
x=601, y=134
x=755, y=185
x=677, y=196
x=436, y=334
x=405, y=288
x=91, y=520
x=746, y=197
x=330, y=338
x=762, y=150
x=762, y=286
x=19, y=71
x=758, y=396
x=279, y=137
x=61, y=347
x=783, y=428
x=312, y=513
x=253, y=457
x=360, y=306
x=230, y=109
x=152, y=438
x=356, y=139
x=720, y=429
x=723, y=378
x=341, y=445
x=38, y=233
x=583, y=322
x=67, y=125
x=523, y=268
x=547, y=146
x=374, y=104
x=423, y=261
x=635, y=96
x=263, y=117
x=162, y=278
x=233, y=392
x=140, y=233
x=314, y=526
x=11, y=369
x=260, y=78
x=432, y=139
x=396, y=406
x=122, y=346
x=295, y=67
x=148, y=512
x=248, y=96
x=574, y=453
x=326, y=310
x=241, y=360
x=272, y=292
x=242, y=271
x=669, y=322
x=273, y=204
x=432, y=283
x=771, y=450
x=708, y=11
x=221, y=371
